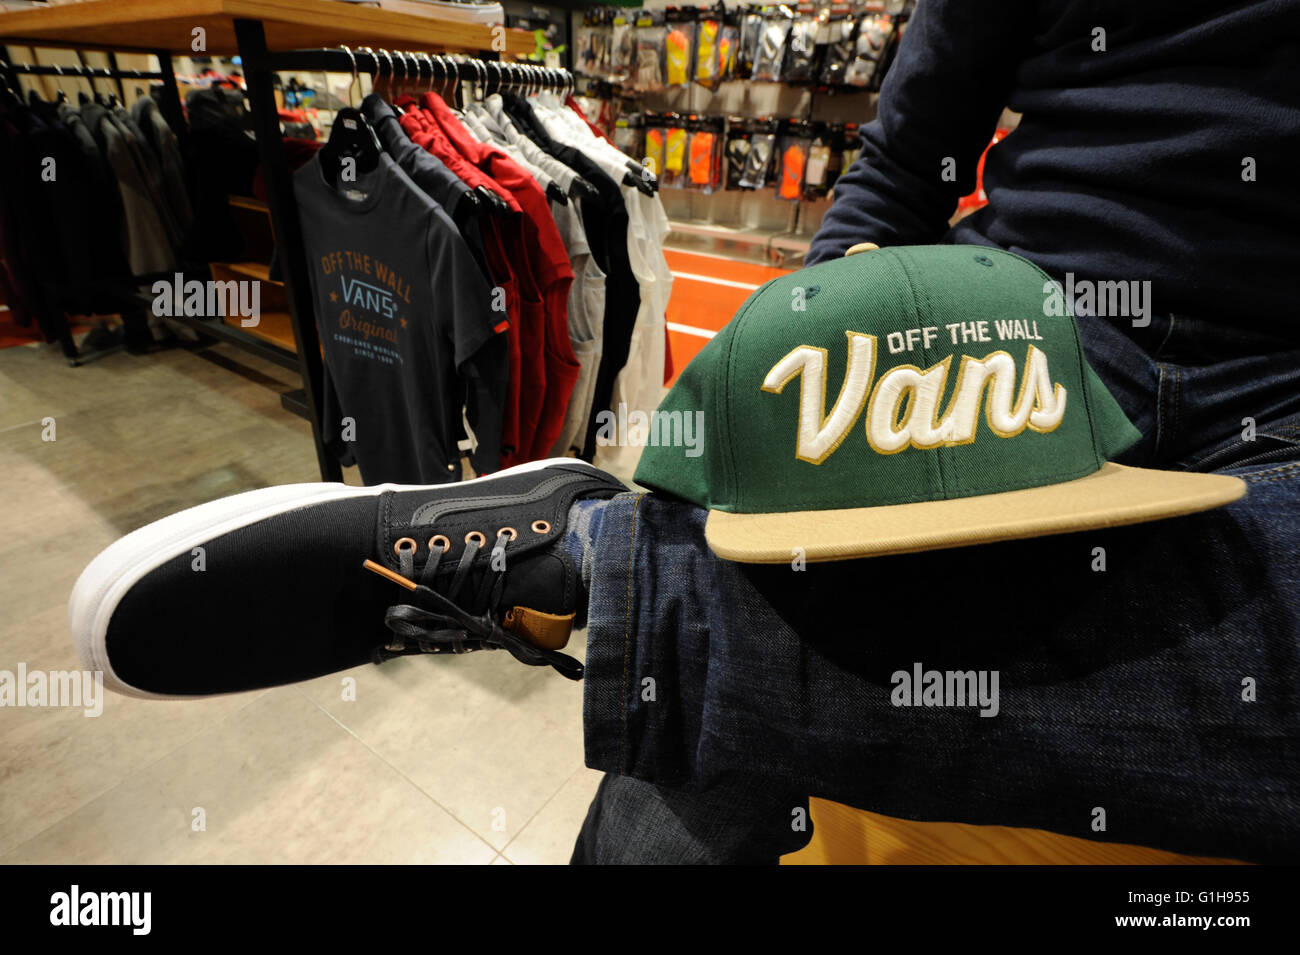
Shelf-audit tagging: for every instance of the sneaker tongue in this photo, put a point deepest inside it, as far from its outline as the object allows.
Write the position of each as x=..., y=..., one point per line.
x=500, y=500
x=537, y=576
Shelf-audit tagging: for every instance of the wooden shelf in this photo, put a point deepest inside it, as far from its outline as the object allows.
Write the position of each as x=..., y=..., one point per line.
x=151, y=25
x=252, y=270
x=272, y=327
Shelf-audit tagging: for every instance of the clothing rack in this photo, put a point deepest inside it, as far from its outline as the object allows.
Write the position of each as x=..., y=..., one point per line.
x=259, y=65
x=237, y=26
x=84, y=71
x=170, y=106
x=130, y=302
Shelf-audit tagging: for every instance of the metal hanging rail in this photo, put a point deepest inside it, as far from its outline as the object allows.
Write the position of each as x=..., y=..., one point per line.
x=170, y=105
x=87, y=72
x=423, y=67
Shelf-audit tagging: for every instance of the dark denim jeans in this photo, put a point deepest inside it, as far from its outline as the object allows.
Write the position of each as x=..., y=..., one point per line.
x=1159, y=695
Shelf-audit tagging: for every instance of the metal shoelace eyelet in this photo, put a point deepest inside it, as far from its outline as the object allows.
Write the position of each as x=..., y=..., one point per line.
x=507, y=530
x=541, y=527
x=397, y=547
x=438, y=538
x=479, y=534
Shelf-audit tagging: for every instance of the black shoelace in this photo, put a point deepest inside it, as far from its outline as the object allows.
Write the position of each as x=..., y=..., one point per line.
x=434, y=623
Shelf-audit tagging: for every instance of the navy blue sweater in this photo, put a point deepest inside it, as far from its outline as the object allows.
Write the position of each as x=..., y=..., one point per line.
x=1128, y=163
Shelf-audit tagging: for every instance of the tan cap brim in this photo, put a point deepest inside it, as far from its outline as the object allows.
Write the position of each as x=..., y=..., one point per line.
x=1109, y=497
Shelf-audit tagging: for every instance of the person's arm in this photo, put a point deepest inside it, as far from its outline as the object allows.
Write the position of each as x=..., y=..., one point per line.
x=940, y=100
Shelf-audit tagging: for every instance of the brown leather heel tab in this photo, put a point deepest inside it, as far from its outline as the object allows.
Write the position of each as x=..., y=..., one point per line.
x=546, y=630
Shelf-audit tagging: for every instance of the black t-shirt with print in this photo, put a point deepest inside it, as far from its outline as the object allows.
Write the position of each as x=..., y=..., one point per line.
x=404, y=318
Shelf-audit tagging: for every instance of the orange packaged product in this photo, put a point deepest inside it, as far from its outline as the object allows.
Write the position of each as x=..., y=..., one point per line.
x=792, y=165
x=702, y=144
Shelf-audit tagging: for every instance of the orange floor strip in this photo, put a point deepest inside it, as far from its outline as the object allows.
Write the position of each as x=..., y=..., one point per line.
x=705, y=306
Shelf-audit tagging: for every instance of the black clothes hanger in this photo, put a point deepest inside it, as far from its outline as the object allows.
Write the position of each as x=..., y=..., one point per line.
x=449, y=79
x=405, y=84
x=493, y=202
x=61, y=97
x=644, y=175
x=350, y=137
x=7, y=94
x=394, y=83
x=457, y=91
x=480, y=79
x=638, y=183
x=428, y=58
x=435, y=66
x=469, y=207
x=387, y=91
x=581, y=189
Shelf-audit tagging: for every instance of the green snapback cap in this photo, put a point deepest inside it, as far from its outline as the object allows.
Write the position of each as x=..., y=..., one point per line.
x=902, y=400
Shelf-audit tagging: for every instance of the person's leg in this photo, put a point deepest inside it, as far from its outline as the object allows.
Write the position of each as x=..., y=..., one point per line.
x=733, y=822
x=1148, y=672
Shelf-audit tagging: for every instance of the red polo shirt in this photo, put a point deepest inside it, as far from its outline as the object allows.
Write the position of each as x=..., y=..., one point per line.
x=503, y=248
x=550, y=368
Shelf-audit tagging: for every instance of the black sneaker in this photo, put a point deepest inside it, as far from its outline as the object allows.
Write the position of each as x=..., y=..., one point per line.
x=293, y=582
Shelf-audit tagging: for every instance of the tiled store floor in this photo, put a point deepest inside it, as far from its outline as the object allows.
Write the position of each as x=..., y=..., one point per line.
x=471, y=759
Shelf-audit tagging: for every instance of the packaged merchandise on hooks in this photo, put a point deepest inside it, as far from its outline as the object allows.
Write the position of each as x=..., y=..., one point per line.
x=651, y=51
x=831, y=48
x=679, y=44
x=758, y=159
x=842, y=45
x=793, y=152
x=769, y=52
x=798, y=159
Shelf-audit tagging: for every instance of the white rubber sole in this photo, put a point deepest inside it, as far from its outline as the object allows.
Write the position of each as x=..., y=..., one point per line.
x=122, y=564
